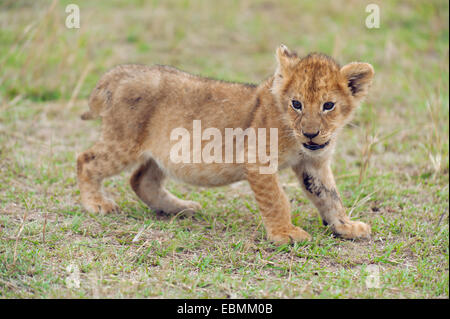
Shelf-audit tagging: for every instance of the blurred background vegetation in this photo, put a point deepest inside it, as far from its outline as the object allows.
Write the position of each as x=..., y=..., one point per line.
x=41, y=59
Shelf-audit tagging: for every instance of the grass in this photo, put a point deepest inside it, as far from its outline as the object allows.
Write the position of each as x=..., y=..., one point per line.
x=391, y=163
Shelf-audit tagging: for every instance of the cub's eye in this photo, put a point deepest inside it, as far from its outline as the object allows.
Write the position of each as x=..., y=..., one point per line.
x=328, y=106
x=297, y=105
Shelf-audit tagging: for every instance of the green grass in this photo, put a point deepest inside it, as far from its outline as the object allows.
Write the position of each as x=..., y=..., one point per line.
x=391, y=163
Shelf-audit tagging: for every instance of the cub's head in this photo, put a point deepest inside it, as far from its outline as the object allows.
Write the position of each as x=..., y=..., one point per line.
x=318, y=95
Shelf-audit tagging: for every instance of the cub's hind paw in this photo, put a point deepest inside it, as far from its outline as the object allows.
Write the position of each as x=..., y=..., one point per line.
x=182, y=207
x=289, y=235
x=191, y=206
x=103, y=206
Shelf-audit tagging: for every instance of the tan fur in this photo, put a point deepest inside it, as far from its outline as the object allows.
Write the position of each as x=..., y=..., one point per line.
x=141, y=105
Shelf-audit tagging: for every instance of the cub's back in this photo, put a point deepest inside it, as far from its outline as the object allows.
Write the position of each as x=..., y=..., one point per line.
x=157, y=99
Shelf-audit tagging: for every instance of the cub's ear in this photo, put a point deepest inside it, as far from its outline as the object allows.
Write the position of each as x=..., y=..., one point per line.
x=359, y=77
x=286, y=60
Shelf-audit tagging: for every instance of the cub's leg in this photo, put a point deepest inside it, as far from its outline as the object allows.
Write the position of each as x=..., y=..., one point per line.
x=94, y=165
x=318, y=184
x=275, y=208
x=147, y=182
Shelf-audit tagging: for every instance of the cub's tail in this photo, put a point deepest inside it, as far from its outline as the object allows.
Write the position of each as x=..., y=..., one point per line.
x=99, y=101
x=88, y=116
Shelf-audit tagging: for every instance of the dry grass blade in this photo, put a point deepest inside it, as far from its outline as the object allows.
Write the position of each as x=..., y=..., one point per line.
x=435, y=143
x=77, y=88
x=22, y=225
x=357, y=203
x=366, y=154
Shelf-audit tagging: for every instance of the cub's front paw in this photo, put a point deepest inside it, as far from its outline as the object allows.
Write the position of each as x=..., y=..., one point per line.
x=288, y=235
x=351, y=230
x=102, y=206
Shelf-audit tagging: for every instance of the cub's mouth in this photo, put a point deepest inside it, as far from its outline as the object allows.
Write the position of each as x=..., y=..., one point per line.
x=314, y=147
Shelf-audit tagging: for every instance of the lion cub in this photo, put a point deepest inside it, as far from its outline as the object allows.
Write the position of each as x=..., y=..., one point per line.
x=308, y=100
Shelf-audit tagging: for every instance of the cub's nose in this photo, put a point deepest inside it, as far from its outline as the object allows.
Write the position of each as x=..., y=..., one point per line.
x=311, y=135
